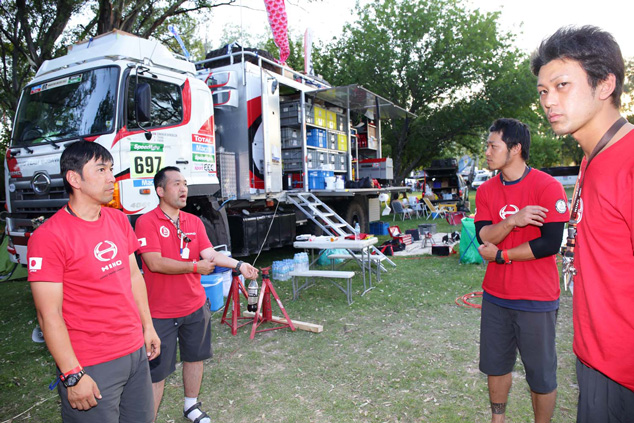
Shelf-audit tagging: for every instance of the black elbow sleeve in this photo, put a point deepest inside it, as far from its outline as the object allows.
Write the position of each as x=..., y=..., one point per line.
x=549, y=243
x=479, y=225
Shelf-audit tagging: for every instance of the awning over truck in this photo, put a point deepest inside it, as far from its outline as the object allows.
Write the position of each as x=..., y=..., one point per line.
x=357, y=98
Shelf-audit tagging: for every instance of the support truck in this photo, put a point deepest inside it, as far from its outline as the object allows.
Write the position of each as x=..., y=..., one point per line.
x=245, y=131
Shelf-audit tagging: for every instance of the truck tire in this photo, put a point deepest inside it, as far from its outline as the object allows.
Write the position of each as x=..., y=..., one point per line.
x=215, y=222
x=356, y=213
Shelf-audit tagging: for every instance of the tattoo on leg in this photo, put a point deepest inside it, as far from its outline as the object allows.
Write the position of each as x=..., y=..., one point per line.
x=498, y=407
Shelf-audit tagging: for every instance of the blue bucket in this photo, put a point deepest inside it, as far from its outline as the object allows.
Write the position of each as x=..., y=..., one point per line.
x=213, y=288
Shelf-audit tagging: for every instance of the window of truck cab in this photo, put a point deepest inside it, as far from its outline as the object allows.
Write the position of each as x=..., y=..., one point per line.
x=77, y=105
x=166, y=105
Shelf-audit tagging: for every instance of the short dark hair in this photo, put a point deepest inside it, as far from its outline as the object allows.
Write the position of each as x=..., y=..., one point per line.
x=77, y=154
x=596, y=51
x=513, y=132
x=160, y=179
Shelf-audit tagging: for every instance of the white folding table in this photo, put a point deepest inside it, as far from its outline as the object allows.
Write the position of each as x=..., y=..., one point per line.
x=362, y=246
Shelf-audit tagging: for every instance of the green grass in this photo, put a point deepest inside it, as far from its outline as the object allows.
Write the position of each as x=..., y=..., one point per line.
x=404, y=352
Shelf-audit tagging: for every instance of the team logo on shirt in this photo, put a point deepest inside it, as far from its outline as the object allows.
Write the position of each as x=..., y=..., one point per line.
x=105, y=251
x=560, y=206
x=35, y=263
x=508, y=210
x=164, y=231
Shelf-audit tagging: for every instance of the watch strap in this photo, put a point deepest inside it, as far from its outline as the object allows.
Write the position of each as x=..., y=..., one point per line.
x=240, y=263
x=498, y=257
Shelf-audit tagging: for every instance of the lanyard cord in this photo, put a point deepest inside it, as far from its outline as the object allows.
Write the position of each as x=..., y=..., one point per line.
x=576, y=196
x=70, y=210
x=176, y=224
x=528, y=169
x=605, y=139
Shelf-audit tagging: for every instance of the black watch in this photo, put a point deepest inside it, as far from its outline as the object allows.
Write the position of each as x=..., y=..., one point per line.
x=498, y=257
x=238, y=266
x=72, y=379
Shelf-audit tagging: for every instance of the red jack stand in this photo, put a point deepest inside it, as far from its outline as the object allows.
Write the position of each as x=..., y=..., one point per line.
x=264, y=313
x=234, y=295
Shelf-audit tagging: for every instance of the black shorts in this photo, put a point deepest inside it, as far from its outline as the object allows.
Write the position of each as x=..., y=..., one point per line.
x=193, y=333
x=601, y=399
x=504, y=331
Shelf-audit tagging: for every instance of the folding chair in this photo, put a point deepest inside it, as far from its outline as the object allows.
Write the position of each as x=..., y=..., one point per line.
x=434, y=211
x=400, y=210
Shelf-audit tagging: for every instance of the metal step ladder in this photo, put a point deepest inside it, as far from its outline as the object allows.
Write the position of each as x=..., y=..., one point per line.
x=327, y=219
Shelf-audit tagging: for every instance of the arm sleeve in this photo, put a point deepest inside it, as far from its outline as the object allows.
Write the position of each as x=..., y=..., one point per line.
x=479, y=225
x=549, y=243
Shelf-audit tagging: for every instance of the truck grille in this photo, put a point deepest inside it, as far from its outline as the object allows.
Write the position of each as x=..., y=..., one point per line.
x=25, y=202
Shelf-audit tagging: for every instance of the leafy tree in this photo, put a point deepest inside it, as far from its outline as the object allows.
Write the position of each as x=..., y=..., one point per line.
x=452, y=67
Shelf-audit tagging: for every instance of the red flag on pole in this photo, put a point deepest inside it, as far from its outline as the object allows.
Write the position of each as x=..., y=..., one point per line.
x=276, y=10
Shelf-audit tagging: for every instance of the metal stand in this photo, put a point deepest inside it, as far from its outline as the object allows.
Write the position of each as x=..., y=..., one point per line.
x=234, y=295
x=264, y=313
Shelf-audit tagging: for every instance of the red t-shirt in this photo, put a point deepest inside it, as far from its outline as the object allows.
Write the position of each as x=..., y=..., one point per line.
x=172, y=296
x=92, y=260
x=536, y=280
x=603, y=301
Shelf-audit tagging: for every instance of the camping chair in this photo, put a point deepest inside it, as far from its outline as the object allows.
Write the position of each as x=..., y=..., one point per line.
x=400, y=210
x=434, y=211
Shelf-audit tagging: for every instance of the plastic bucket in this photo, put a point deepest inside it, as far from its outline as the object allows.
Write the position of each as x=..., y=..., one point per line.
x=213, y=289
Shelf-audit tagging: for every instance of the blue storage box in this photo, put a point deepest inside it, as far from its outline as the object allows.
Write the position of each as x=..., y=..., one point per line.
x=379, y=228
x=316, y=179
x=316, y=137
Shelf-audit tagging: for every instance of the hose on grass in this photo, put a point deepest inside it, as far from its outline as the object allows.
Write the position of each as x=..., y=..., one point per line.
x=464, y=300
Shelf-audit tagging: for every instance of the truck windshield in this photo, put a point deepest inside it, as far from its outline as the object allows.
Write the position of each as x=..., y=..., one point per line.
x=72, y=106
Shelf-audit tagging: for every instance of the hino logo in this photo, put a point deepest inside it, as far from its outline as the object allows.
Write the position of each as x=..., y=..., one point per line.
x=41, y=183
x=504, y=213
x=111, y=265
x=108, y=253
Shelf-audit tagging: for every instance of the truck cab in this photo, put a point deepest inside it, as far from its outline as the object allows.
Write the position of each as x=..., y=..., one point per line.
x=92, y=94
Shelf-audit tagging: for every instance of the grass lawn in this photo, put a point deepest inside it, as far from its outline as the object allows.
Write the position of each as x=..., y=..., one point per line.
x=404, y=352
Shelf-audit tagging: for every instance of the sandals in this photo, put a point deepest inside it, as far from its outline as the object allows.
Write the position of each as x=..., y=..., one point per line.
x=196, y=407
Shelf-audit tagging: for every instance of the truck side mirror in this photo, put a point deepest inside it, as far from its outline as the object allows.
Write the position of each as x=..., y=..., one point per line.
x=142, y=102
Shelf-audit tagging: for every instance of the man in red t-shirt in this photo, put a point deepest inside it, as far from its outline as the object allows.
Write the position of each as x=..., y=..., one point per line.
x=176, y=251
x=520, y=217
x=580, y=75
x=90, y=297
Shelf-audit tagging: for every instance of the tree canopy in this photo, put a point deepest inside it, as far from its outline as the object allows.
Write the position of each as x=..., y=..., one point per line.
x=452, y=67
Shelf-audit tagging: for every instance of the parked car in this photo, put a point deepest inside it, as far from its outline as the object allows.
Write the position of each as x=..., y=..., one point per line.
x=479, y=179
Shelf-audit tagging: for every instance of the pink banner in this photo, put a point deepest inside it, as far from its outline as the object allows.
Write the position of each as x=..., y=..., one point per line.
x=276, y=10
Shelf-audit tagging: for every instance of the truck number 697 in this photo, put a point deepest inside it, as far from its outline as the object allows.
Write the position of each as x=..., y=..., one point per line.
x=147, y=165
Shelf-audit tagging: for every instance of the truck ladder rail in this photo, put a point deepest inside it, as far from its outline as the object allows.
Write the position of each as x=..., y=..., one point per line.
x=327, y=219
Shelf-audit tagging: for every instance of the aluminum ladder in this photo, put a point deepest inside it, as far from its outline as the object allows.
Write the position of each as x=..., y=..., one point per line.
x=327, y=219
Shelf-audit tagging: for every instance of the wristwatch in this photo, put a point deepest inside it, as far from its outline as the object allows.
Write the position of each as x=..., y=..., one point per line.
x=498, y=257
x=240, y=263
x=71, y=379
